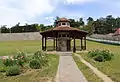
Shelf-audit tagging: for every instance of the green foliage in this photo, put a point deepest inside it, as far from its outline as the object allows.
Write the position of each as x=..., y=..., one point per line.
x=76, y=23
x=100, y=55
x=89, y=28
x=35, y=64
x=4, y=29
x=39, y=59
x=40, y=56
x=99, y=58
x=20, y=58
x=3, y=69
x=8, y=62
x=13, y=70
x=20, y=55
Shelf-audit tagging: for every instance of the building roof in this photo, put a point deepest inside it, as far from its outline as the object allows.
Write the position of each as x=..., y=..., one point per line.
x=74, y=32
x=64, y=28
x=63, y=20
x=117, y=32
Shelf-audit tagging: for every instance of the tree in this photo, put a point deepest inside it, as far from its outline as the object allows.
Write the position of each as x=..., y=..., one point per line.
x=90, y=19
x=89, y=28
x=42, y=27
x=110, y=23
x=72, y=23
x=81, y=22
x=4, y=29
x=38, y=27
x=117, y=24
x=55, y=22
x=100, y=26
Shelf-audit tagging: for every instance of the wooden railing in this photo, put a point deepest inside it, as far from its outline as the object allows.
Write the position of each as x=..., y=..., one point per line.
x=50, y=48
x=78, y=48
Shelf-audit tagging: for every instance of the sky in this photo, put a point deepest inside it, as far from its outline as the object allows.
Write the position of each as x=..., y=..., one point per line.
x=45, y=11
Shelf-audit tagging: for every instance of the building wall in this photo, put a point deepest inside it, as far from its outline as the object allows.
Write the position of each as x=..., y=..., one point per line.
x=20, y=36
x=106, y=37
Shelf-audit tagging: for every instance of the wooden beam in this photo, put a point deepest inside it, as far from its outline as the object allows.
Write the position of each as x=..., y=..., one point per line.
x=85, y=43
x=74, y=48
x=54, y=43
x=42, y=43
x=45, y=42
x=81, y=44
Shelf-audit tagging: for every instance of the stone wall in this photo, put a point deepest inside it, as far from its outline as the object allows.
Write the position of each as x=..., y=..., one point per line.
x=62, y=46
x=106, y=37
x=20, y=36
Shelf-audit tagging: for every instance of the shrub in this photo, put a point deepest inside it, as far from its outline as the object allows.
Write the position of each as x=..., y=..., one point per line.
x=20, y=55
x=13, y=70
x=94, y=53
x=100, y=55
x=8, y=62
x=107, y=54
x=35, y=64
x=99, y=58
x=41, y=57
x=3, y=69
x=38, y=55
x=21, y=58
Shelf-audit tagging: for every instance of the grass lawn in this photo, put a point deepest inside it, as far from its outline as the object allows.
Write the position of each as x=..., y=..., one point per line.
x=111, y=68
x=87, y=72
x=12, y=47
x=95, y=45
x=41, y=75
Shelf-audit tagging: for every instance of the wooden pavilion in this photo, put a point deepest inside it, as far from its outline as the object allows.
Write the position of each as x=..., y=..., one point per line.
x=62, y=36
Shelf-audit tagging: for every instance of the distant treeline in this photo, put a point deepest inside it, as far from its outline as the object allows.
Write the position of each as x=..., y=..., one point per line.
x=26, y=28
x=102, y=25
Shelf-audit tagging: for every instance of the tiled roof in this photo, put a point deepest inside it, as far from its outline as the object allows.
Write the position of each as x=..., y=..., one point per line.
x=117, y=32
x=64, y=28
x=63, y=20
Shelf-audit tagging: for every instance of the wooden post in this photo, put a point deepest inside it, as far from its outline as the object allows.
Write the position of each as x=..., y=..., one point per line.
x=74, y=48
x=81, y=44
x=85, y=43
x=42, y=42
x=54, y=44
x=45, y=42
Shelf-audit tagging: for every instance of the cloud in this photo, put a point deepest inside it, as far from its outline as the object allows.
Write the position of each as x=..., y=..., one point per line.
x=32, y=11
x=14, y=11
x=79, y=1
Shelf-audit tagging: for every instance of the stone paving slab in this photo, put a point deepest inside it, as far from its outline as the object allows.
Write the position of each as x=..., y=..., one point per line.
x=68, y=70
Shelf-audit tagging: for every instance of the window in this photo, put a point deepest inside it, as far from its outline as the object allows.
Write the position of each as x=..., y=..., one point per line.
x=63, y=36
x=59, y=24
x=63, y=23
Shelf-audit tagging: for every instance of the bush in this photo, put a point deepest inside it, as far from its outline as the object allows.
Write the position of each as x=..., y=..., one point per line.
x=20, y=55
x=94, y=53
x=41, y=57
x=107, y=54
x=21, y=58
x=38, y=55
x=8, y=62
x=100, y=55
x=13, y=70
x=3, y=69
x=99, y=58
x=35, y=64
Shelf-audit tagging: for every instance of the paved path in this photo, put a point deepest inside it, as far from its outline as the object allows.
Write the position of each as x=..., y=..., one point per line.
x=104, y=77
x=68, y=70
